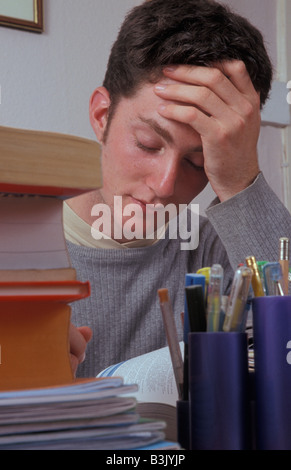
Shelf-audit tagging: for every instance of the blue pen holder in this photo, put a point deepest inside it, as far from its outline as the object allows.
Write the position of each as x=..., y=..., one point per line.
x=219, y=402
x=183, y=421
x=272, y=345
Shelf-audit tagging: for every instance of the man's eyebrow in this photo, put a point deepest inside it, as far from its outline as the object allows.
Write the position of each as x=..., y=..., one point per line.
x=158, y=129
x=164, y=133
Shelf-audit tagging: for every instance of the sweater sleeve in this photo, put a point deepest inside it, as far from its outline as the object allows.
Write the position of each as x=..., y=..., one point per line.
x=251, y=223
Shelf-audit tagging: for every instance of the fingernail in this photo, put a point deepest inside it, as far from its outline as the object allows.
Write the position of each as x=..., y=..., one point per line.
x=160, y=87
x=170, y=68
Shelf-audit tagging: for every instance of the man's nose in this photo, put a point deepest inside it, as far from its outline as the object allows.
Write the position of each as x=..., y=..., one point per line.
x=162, y=179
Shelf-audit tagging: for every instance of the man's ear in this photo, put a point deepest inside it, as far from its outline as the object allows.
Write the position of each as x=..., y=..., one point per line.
x=98, y=111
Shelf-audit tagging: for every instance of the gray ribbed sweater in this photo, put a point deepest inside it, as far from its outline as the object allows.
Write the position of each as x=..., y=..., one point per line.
x=123, y=309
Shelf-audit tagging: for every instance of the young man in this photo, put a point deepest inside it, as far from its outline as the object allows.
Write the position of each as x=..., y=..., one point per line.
x=179, y=106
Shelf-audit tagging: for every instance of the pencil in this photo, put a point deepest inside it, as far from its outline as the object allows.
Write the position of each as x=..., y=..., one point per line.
x=172, y=338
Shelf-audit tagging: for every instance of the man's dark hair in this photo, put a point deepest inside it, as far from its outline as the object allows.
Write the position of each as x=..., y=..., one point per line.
x=196, y=32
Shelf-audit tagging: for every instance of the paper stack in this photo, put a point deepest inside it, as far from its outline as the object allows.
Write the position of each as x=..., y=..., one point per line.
x=97, y=414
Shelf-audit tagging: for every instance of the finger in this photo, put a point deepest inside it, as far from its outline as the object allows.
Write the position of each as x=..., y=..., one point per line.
x=86, y=332
x=229, y=80
x=238, y=75
x=235, y=111
x=198, y=96
x=74, y=364
x=191, y=115
x=209, y=77
x=78, y=343
x=188, y=103
x=218, y=75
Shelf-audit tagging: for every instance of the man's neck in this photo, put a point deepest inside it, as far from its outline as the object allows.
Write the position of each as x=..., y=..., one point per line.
x=82, y=205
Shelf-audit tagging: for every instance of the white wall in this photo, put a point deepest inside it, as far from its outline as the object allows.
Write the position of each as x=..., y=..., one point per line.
x=46, y=80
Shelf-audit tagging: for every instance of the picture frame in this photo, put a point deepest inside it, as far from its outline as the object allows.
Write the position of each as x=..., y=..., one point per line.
x=22, y=14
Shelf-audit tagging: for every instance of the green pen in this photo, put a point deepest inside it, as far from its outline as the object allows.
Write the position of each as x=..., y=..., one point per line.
x=260, y=265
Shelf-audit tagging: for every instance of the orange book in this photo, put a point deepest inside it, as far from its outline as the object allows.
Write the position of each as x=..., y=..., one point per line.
x=47, y=163
x=34, y=333
x=34, y=345
x=44, y=291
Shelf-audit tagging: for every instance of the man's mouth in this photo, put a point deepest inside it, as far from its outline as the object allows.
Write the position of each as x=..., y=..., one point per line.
x=148, y=204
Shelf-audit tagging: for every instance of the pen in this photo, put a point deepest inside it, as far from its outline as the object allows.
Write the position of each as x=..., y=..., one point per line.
x=260, y=265
x=224, y=304
x=196, y=308
x=273, y=276
x=284, y=262
x=214, y=297
x=190, y=279
x=256, y=280
x=205, y=272
x=172, y=338
x=236, y=312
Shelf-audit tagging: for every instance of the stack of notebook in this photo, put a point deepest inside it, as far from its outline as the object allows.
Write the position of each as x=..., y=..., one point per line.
x=97, y=414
